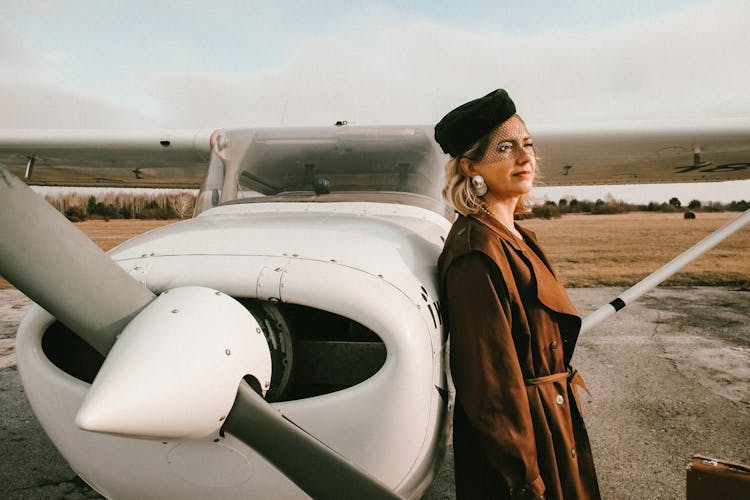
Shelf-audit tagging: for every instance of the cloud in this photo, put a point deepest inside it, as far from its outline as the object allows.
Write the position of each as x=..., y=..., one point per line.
x=17, y=57
x=33, y=93
x=689, y=65
x=43, y=106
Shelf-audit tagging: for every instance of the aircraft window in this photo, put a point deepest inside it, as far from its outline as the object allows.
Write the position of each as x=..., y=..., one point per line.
x=305, y=165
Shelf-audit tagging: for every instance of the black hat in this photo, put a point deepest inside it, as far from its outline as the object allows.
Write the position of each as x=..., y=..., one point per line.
x=468, y=123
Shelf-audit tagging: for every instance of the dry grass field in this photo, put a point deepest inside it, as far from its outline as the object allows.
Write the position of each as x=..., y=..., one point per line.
x=109, y=234
x=588, y=250
x=619, y=250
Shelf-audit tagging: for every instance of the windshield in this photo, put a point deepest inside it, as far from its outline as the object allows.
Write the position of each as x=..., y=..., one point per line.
x=394, y=164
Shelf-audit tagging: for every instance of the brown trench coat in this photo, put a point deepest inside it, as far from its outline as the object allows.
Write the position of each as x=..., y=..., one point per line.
x=517, y=427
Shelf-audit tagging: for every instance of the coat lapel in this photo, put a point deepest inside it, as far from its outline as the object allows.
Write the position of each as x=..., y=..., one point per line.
x=550, y=291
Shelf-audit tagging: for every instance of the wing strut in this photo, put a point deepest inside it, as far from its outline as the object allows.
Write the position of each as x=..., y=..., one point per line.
x=654, y=279
x=30, y=167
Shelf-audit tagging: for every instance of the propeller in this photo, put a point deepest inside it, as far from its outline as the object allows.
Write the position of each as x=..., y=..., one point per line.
x=319, y=470
x=53, y=263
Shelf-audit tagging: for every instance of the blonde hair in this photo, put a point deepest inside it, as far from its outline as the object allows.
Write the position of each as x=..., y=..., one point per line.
x=458, y=190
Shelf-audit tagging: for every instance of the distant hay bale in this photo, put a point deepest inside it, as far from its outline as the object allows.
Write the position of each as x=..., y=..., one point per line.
x=690, y=215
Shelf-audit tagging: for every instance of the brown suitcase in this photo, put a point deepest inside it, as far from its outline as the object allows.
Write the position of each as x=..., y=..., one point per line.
x=712, y=479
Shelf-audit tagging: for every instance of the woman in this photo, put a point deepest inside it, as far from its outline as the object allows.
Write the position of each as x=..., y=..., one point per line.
x=517, y=427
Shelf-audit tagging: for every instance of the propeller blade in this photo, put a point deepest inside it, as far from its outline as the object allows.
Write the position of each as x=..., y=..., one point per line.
x=57, y=266
x=320, y=471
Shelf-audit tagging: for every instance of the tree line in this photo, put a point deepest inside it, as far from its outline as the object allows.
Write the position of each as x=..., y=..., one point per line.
x=569, y=205
x=178, y=205
x=110, y=205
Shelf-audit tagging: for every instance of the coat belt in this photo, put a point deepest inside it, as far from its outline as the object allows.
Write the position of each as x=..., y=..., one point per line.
x=574, y=379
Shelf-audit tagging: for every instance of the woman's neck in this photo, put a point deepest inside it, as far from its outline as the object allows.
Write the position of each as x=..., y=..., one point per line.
x=503, y=210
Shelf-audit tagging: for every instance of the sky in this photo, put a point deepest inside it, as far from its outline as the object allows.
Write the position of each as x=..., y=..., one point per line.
x=197, y=64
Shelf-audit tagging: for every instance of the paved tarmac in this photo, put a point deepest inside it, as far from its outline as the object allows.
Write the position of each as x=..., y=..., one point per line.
x=669, y=377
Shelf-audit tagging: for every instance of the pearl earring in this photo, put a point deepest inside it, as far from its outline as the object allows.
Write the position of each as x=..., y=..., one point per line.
x=477, y=182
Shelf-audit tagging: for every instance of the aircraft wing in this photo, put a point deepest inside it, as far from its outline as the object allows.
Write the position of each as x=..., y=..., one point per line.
x=108, y=158
x=642, y=153
x=571, y=154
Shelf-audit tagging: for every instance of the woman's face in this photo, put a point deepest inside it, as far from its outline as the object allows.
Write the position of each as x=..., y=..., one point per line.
x=509, y=163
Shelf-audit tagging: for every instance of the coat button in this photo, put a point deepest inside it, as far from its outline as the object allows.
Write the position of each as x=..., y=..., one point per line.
x=573, y=453
x=559, y=399
x=553, y=345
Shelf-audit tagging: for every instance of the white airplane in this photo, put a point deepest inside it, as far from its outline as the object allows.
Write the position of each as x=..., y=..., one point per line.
x=288, y=340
